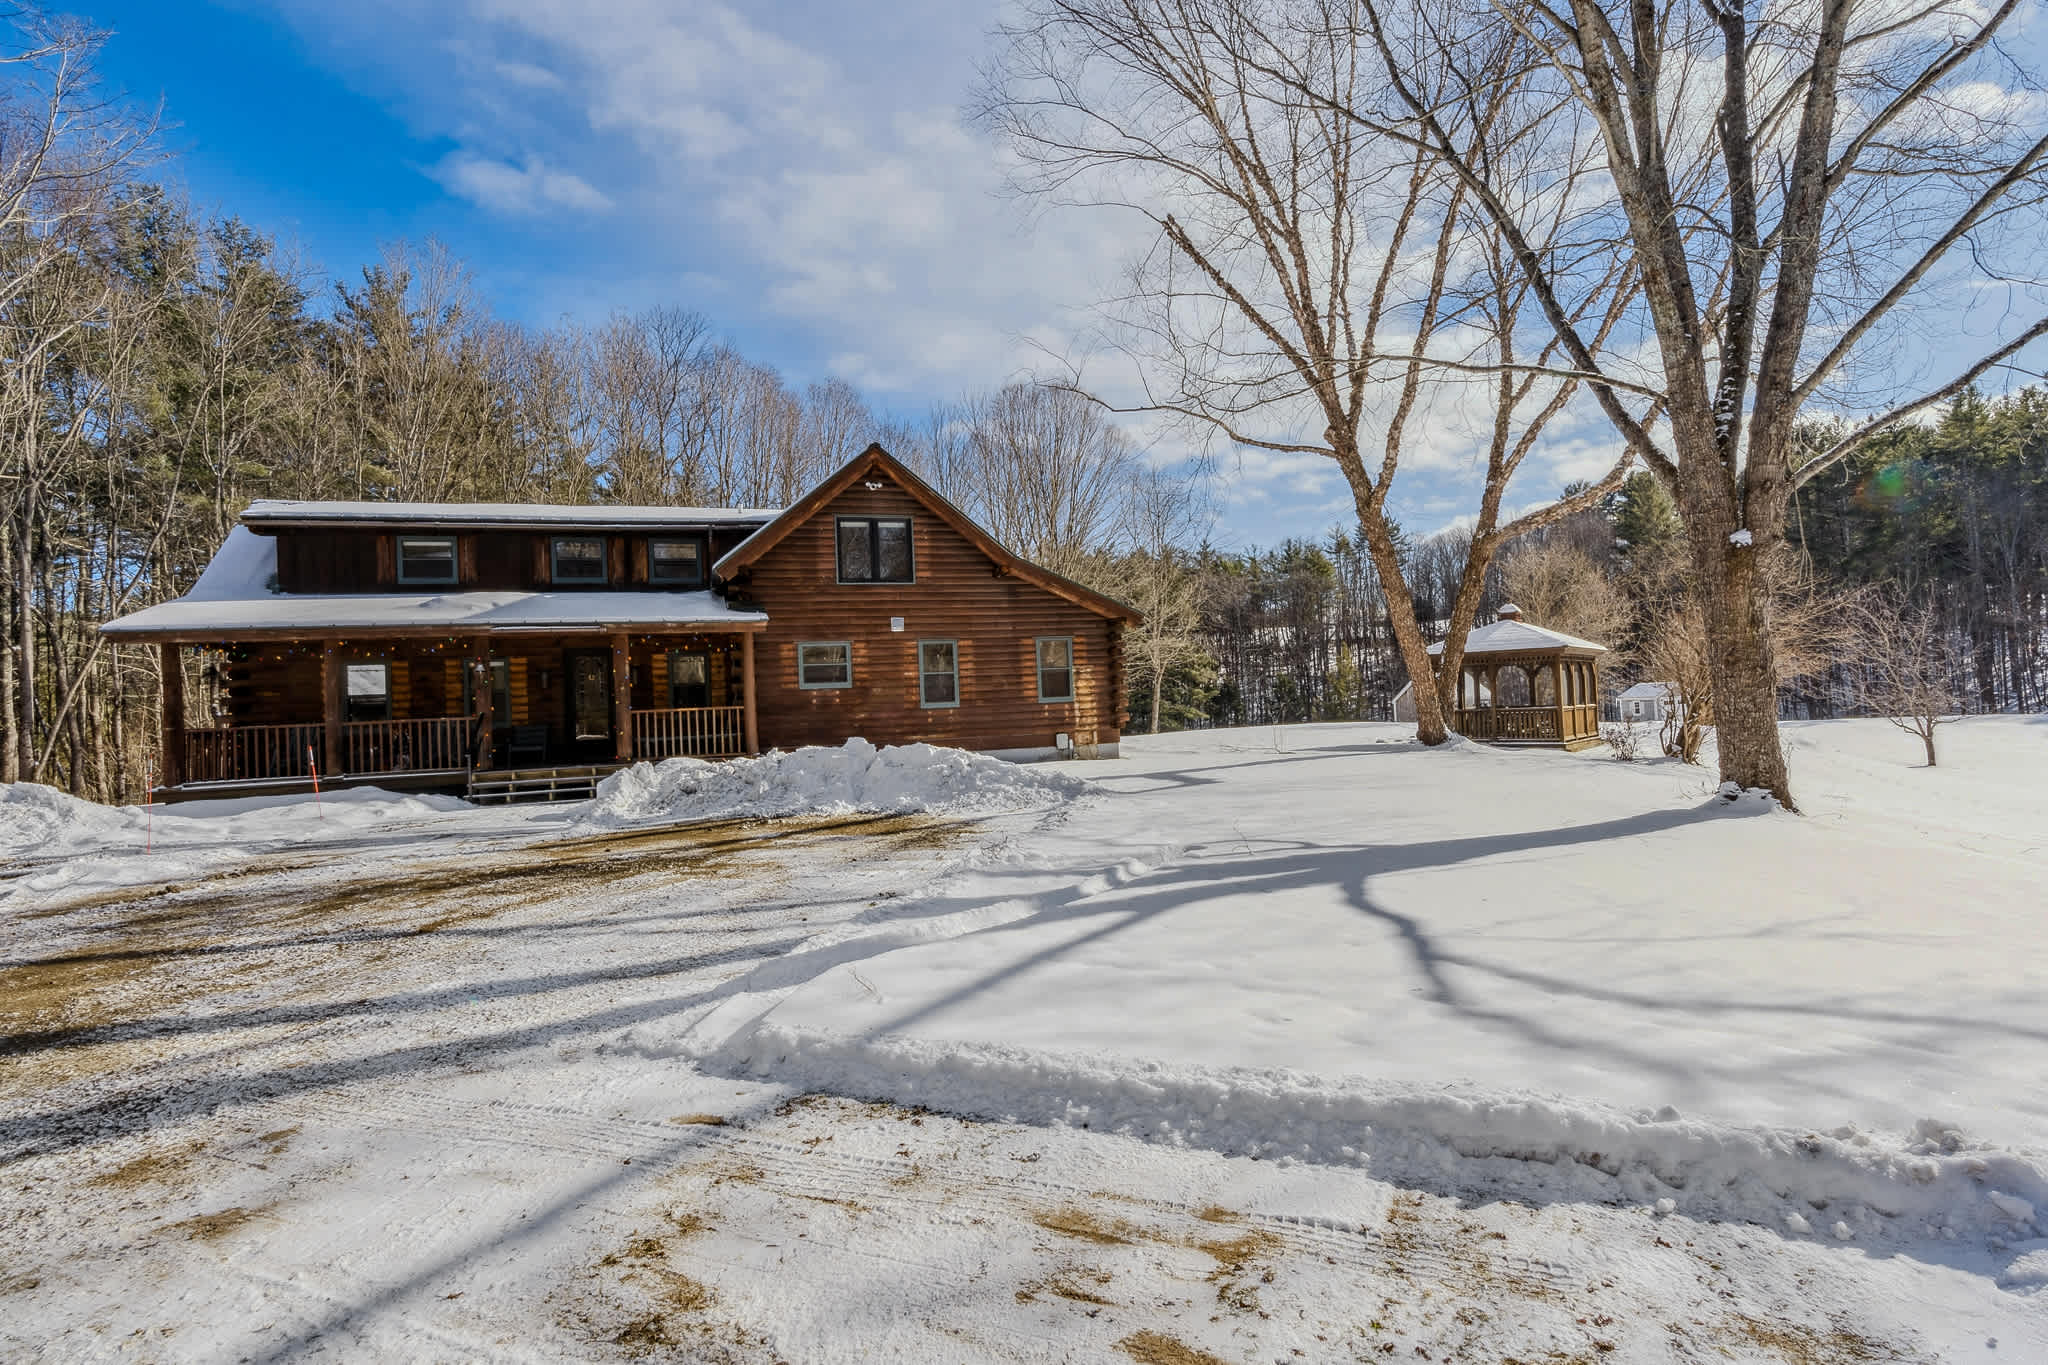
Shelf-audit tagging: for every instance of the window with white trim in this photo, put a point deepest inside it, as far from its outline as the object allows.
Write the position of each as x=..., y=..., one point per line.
x=824, y=663
x=577, y=559
x=426, y=559
x=938, y=673
x=1055, y=668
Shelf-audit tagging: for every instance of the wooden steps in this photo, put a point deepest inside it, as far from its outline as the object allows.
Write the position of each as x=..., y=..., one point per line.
x=537, y=784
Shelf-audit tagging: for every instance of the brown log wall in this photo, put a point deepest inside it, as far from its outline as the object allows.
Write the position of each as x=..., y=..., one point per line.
x=959, y=596
x=324, y=561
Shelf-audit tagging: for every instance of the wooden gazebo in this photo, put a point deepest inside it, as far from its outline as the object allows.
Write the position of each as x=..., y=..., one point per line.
x=1526, y=685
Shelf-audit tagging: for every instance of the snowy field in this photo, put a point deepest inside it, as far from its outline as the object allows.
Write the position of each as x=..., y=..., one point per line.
x=1252, y=1045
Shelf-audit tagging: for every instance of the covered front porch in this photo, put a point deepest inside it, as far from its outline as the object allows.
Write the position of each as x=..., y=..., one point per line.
x=429, y=712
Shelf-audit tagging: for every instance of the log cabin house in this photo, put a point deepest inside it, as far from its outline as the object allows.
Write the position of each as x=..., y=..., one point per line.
x=505, y=650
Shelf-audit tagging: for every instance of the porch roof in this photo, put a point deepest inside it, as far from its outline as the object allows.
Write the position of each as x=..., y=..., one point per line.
x=236, y=598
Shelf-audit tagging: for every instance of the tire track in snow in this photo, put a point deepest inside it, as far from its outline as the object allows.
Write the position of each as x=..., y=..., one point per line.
x=790, y=1169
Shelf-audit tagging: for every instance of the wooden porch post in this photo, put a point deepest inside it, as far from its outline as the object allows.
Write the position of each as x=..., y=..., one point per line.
x=330, y=705
x=747, y=713
x=622, y=697
x=173, y=716
x=480, y=686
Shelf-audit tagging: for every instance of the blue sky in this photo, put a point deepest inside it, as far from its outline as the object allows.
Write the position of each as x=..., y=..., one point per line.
x=804, y=177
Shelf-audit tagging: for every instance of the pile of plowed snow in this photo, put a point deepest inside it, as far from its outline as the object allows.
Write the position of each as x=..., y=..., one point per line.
x=69, y=843
x=855, y=777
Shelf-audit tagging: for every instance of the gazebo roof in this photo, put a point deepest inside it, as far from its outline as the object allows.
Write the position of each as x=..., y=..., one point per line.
x=1519, y=637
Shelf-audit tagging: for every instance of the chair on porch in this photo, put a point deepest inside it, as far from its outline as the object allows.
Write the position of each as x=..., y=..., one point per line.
x=528, y=743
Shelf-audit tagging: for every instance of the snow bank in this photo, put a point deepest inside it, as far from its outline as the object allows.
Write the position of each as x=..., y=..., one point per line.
x=1843, y=1184
x=856, y=776
x=69, y=843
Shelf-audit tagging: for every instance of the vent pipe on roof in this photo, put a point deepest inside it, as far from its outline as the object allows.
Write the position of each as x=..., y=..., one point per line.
x=1509, y=612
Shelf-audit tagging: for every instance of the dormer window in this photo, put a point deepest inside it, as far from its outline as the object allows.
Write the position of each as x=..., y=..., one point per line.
x=875, y=550
x=677, y=563
x=426, y=559
x=577, y=559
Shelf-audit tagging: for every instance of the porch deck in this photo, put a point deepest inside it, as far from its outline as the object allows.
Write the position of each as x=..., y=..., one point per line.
x=431, y=754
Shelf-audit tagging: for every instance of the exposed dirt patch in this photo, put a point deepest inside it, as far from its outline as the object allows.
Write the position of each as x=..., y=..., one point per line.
x=1233, y=1256
x=1157, y=1348
x=210, y=1227
x=1085, y=1226
x=1797, y=1345
x=151, y=1168
x=707, y=1120
x=742, y=1174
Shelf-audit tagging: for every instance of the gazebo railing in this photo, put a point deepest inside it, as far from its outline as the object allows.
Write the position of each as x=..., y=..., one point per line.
x=1509, y=722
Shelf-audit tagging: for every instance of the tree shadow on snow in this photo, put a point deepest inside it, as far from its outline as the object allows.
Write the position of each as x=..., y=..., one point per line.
x=1484, y=992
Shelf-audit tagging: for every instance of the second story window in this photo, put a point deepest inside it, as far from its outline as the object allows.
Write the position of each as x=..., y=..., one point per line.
x=426, y=559
x=676, y=562
x=577, y=559
x=875, y=550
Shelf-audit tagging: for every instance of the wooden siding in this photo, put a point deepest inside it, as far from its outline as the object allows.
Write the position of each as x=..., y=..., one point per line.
x=330, y=561
x=961, y=595
x=326, y=561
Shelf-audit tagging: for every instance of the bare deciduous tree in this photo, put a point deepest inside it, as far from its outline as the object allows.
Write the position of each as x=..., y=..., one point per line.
x=1314, y=290
x=1159, y=578
x=1904, y=668
x=1798, y=184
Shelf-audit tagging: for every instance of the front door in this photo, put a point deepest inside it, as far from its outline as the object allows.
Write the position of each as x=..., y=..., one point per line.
x=590, y=705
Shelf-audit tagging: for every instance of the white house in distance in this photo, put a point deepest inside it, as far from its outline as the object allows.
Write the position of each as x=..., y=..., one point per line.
x=1404, y=701
x=1652, y=703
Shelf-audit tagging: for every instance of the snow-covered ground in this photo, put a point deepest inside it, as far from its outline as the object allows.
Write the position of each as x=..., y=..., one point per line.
x=1294, y=1044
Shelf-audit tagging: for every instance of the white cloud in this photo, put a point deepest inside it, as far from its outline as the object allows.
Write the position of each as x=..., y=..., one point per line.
x=526, y=188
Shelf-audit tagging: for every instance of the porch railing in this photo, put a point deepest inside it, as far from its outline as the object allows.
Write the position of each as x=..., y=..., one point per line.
x=244, y=752
x=399, y=746
x=1508, y=722
x=688, y=732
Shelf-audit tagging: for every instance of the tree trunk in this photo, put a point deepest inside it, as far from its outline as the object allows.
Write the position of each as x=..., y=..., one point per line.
x=25, y=658
x=1927, y=738
x=1158, y=686
x=1429, y=711
x=1741, y=664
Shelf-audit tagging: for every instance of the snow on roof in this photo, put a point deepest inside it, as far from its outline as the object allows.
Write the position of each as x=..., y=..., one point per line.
x=1515, y=637
x=245, y=566
x=456, y=612
x=1649, y=691
x=287, y=512
x=238, y=592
